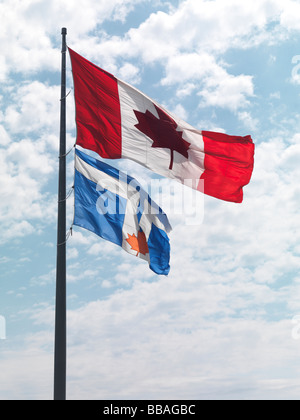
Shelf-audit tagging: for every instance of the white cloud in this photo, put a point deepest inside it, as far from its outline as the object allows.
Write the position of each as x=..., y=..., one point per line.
x=72, y=253
x=275, y=95
x=180, y=111
x=228, y=91
x=249, y=122
x=25, y=170
x=218, y=308
x=216, y=86
x=30, y=157
x=130, y=73
x=138, y=330
x=16, y=230
x=25, y=44
x=215, y=309
x=290, y=12
x=27, y=37
x=228, y=303
x=35, y=107
x=29, y=154
x=4, y=137
x=196, y=35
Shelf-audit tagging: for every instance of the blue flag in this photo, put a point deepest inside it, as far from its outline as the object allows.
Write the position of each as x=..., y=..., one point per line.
x=114, y=206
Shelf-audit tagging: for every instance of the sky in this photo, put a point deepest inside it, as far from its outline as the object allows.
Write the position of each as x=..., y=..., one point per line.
x=225, y=323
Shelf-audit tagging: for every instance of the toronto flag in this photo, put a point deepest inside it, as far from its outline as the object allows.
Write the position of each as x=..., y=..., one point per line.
x=114, y=206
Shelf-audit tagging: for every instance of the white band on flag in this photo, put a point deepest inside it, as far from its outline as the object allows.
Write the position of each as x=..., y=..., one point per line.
x=102, y=179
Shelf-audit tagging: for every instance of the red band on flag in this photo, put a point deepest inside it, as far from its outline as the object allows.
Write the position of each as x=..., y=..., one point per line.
x=98, y=114
x=228, y=165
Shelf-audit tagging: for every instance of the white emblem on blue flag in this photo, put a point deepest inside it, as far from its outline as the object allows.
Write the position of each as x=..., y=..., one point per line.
x=115, y=207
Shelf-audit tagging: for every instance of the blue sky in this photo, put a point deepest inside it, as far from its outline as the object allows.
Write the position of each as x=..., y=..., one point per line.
x=225, y=323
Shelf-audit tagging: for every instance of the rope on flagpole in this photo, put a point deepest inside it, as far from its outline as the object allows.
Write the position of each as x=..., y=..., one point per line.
x=66, y=95
x=68, y=195
x=66, y=154
x=69, y=233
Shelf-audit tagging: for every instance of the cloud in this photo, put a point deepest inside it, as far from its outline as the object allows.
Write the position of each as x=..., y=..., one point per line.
x=35, y=107
x=29, y=149
x=218, y=353
x=248, y=120
x=130, y=73
x=196, y=36
x=289, y=14
x=227, y=306
x=34, y=43
x=26, y=48
x=4, y=137
x=25, y=170
x=228, y=92
x=232, y=284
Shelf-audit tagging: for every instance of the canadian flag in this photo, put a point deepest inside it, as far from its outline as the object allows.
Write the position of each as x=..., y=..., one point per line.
x=118, y=121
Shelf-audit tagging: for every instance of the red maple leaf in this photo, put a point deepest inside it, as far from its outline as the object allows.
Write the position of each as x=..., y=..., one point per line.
x=162, y=131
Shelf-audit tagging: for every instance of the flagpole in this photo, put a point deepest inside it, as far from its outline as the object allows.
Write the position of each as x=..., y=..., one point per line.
x=60, y=302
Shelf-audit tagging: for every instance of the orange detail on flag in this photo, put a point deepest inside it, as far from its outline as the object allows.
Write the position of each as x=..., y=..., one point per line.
x=139, y=243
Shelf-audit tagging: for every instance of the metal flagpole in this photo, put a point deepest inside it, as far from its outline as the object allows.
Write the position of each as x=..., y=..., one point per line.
x=60, y=303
